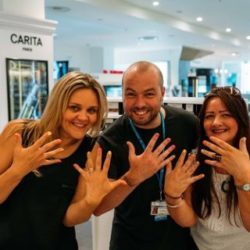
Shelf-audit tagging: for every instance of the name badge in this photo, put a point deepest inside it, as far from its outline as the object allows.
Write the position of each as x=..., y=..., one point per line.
x=159, y=210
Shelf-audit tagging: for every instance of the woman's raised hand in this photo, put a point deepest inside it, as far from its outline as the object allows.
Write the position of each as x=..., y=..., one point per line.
x=38, y=154
x=235, y=161
x=177, y=180
x=95, y=176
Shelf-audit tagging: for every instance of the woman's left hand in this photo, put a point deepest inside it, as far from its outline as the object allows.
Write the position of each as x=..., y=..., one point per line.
x=178, y=180
x=97, y=184
x=234, y=161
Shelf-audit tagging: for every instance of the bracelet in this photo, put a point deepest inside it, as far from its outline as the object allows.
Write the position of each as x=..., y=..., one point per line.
x=176, y=205
x=172, y=197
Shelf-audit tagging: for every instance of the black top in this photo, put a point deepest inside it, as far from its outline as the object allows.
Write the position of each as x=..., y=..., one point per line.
x=32, y=216
x=133, y=226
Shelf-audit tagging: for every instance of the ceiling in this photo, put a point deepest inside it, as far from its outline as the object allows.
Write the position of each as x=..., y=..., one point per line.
x=122, y=24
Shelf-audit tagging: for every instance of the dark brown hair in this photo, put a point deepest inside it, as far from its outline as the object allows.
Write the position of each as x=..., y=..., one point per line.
x=203, y=189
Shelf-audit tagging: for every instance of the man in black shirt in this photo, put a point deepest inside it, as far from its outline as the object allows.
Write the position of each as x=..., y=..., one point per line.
x=142, y=142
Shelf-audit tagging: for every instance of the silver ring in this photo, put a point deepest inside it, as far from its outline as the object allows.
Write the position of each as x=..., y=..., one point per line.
x=91, y=170
x=217, y=157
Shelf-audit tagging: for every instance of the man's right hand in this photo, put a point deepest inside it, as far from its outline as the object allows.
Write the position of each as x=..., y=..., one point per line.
x=148, y=163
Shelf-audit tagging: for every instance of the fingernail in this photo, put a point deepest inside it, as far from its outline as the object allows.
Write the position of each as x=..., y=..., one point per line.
x=156, y=135
x=49, y=133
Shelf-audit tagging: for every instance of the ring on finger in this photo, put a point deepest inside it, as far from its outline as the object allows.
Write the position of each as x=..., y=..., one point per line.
x=217, y=157
x=91, y=170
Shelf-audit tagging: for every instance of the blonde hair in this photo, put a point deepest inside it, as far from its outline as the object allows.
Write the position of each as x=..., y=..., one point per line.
x=58, y=101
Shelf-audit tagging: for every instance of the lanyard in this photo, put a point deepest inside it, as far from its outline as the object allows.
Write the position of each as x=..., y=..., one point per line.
x=160, y=174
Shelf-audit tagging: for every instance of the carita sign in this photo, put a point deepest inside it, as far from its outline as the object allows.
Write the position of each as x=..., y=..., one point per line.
x=26, y=40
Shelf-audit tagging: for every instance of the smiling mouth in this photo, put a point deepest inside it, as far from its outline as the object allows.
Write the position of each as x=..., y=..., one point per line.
x=219, y=131
x=80, y=125
x=140, y=113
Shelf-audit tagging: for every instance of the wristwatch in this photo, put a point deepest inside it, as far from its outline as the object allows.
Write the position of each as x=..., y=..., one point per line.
x=244, y=187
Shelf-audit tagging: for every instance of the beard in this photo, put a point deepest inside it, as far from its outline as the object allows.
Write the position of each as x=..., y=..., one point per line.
x=146, y=119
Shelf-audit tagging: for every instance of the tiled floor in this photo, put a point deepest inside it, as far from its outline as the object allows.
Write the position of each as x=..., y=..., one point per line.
x=84, y=236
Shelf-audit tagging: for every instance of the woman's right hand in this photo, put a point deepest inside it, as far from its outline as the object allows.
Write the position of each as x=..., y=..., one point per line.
x=177, y=180
x=39, y=154
x=95, y=178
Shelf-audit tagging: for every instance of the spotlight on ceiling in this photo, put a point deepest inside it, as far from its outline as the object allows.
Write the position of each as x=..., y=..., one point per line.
x=155, y=3
x=199, y=19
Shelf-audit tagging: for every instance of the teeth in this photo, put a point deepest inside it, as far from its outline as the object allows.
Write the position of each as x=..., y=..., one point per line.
x=140, y=112
x=80, y=125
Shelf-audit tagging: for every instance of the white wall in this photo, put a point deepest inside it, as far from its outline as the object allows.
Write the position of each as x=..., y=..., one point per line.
x=24, y=8
x=78, y=57
x=125, y=56
x=86, y=59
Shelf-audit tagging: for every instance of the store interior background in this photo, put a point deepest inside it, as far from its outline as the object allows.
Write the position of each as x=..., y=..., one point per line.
x=111, y=34
x=103, y=37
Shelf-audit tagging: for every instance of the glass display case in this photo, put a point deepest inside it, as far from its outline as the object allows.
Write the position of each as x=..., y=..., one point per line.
x=27, y=85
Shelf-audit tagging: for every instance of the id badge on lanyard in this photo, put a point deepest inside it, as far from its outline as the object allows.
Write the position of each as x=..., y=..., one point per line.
x=158, y=208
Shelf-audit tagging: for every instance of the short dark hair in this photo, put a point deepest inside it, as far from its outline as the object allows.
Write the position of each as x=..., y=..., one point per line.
x=143, y=66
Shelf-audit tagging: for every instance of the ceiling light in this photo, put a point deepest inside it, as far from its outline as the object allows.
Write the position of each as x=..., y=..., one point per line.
x=228, y=30
x=234, y=53
x=199, y=19
x=248, y=37
x=155, y=3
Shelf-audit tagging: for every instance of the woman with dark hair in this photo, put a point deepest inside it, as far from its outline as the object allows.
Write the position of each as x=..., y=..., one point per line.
x=215, y=201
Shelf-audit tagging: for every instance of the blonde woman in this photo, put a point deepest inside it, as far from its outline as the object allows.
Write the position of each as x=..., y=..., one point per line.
x=39, y=201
